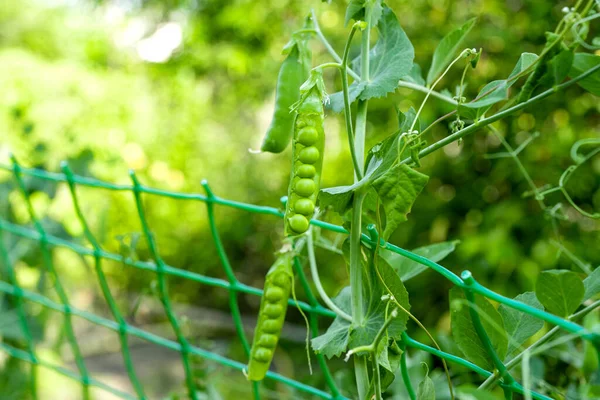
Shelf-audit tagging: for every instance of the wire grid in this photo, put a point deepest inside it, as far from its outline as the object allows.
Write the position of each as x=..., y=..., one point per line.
x=164, y=271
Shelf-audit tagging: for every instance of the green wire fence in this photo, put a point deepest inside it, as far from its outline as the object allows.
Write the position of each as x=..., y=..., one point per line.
x=163, y=271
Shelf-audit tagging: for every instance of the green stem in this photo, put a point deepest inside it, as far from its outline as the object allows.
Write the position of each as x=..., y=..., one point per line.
x=317, y=281
x=347, y=110
x=356, y=284
x=356, y=287
x=424, y=89
x=405, y=376
x=328, y=46
x=500, y=115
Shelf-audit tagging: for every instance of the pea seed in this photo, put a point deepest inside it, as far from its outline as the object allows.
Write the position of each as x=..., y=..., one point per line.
x=308, y=136
x=263, y=355
x=273, y=310
x=305, y=187
x=281, y=280
x=304, y=207
x=268, y=341
x=309, y=155
x=306, y=171
x=271, y=326
x=274, y=294
x=299, y=223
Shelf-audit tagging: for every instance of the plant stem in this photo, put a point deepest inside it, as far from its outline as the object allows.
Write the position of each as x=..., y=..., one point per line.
x=347, y=110
x=360, y=363
x=328, y=46
x=356, y=284
x=502, y=114
x=424, y=89
x=317, y=281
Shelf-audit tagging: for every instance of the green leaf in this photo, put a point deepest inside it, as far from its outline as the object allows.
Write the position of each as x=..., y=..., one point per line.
x=447, y=49
x=525, y=61
x=376, y=308
x=426, y=390
x=495, y=91
x=558, y=68
x=407, y=268
x=405, y=120
x=581, y=63
x=341, y=335
x=520, y=326
x=393, y=285
x=336, y=101
x=389, y=60
x=464, y=332
x=356, y=11
x=398, y=189
x=560, y=291
x=335, y=340
x=592, y=284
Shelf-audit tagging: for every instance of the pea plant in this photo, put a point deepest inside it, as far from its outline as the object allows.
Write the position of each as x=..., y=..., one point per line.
x=373, y=311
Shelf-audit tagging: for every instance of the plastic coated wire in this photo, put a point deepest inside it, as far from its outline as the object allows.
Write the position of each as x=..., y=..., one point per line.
x=164, y=271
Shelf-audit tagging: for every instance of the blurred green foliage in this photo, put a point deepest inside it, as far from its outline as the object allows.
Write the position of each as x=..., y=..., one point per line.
x=76, y=87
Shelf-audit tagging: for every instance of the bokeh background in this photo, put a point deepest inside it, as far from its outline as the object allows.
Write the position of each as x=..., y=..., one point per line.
x=179, y=90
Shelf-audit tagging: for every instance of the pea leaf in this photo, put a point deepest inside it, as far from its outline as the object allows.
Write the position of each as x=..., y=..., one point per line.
x=341, y=335
x=406, y=119
x=375, y=314
x=426, y=390
x=447, y=49
x=464, y=332
x=398, y=189
x=581, y=63
x=335, y=340
x=407, y=268
x=356, y=11
x=495, y=91
x=592, y=284
x=560, y=291
x=390, y=59
x=520, y=326
x=558, y=68
x=336, y=100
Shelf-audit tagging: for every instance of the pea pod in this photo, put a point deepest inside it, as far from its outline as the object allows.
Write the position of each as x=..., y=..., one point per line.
x=307, y=163
x=273, y=307
x=293, y=72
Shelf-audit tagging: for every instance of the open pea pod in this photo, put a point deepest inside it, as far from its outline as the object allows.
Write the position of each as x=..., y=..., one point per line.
x=273, y=307
x=307, y=162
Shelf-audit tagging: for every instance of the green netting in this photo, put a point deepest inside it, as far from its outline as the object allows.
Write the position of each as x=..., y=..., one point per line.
x=163, y=271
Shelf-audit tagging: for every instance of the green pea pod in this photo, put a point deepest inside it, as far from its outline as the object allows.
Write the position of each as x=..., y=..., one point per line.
x=293, y=72
x=307, y=162
x=273, y=307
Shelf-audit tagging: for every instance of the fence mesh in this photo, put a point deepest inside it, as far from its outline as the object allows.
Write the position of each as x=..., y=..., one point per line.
x=47, y=242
